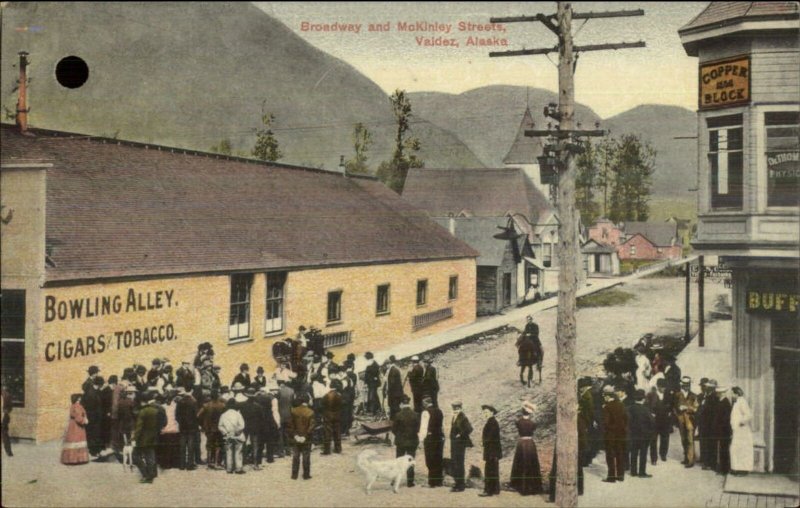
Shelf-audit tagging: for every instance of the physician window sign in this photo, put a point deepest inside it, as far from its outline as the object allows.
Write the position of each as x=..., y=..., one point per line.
x=725, y=83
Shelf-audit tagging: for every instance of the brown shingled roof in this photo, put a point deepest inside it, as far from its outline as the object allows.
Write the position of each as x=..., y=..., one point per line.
x=480, y=192
x=723, y=13
x=121, y=210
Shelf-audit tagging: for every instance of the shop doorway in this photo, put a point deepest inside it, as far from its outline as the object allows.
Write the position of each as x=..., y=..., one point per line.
x=786, y=362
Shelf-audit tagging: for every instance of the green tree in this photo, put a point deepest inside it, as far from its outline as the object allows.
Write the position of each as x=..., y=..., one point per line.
x=586, y=182
x=393, y=172
x=632, y=166
x=362, y=140
x=224, y=147
x=266, y=147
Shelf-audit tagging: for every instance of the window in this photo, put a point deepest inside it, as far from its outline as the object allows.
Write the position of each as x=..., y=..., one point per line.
x=274, y=314
x=725, y=161
x=334, y=306
x=783, y=158
x=506, y=289
x=239, y=323
x=422, y=292
x=382, y=301
x=452, y=291
x=12, y=331
x=633, y=250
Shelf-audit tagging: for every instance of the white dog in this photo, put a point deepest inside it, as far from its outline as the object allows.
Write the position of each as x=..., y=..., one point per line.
x=393, y=470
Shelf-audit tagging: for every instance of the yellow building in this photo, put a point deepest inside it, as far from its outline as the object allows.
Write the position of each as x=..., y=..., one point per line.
x=116, y=253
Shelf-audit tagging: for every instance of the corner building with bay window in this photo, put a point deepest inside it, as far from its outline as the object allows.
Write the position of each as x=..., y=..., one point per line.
x=115, y=253
x=748, y=128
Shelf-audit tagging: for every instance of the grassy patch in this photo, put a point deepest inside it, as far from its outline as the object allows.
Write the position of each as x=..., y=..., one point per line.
x=628, y=266
x=607, y=298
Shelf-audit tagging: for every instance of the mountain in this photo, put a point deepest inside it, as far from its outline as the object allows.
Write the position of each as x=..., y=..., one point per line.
x=676, y=159
x=192, y=74
x=487, y=119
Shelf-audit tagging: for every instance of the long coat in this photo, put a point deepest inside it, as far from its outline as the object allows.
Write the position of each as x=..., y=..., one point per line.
x=742, y=442
x=74, y=450
x=406, y=428
x=301, y=423
x=492, y=448
x=147, y=427
x=641, y=424
x=430, y=382
x=661, y=412
x=331, y=406
x=394, y=389
x=615, y=420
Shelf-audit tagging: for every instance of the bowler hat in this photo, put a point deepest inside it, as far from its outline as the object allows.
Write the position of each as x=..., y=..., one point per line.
x=94, y=369
x=490, y=408
x=392, y=358
x=405, y=400
x=329, y=355
x=368, y=355
x=156, y=361
x=638, y=395
x=250, y=392
x=584, y=381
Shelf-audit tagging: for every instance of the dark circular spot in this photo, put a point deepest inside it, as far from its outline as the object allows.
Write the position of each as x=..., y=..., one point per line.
x=72, y=72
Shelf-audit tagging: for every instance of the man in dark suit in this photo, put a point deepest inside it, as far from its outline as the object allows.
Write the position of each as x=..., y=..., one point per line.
x=431, y=432
x=641, y=425
x=722, y=431
x=285, y=398
x=662, y=420
x=188, y=425
x=254, y=423
x=705, y=421
x=585, y=420
x=615, y=421
x=88, y=384
x=414, y=377
x=394, y=387
x=243, y=376
x=406, y=440
x=299, y=428
x=331, y=409
x=492, y=452
x=145, y=438
x=372, y=379
x=460, y=429
x=430, y=382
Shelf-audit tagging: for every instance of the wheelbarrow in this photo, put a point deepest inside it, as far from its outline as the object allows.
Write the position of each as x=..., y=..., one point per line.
x=373, y=431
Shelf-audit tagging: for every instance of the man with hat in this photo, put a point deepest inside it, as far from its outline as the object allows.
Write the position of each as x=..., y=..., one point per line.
x=155, y=372
x=641, y=424
x=184, y=376
x=430, y=381
x=460, y=430
x=260, y=380
x=254, y=423
x=188, y=426
x=431, y=433
x=209, y=420
x=405, y=427
x=414, y=377
x=331, y=408
x=662, y=421
x=615, y=420
x=585, y=419
x=394, y=387
x=372, y=379
x=94, y=370
x=243, y=377
x=238, y=393
x=299, y=429
x=684, y=404
x=722, y=431
x=492, y=452
x=706, y=414
x=145, y=437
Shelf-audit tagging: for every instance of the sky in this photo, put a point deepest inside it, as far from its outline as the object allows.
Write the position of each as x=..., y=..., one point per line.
x=609, y=82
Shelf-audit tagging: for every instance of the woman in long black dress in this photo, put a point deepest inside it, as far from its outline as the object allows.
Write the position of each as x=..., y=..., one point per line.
x=526, y=474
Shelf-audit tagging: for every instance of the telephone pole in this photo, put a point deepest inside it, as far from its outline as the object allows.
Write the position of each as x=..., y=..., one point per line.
x=559, y=162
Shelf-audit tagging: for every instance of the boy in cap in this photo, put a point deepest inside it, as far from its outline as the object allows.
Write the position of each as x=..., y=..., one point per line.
x=684, y=406
x=492, y=452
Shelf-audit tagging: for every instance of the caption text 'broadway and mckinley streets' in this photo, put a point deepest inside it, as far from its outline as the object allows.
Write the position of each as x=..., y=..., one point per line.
x=425, y=33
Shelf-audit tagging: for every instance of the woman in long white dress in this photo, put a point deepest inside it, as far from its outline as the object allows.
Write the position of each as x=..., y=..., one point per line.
x=742, y=442
x=643, y=370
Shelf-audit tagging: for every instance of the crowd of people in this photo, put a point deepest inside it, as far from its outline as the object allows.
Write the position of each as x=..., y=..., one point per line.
x=632, y=413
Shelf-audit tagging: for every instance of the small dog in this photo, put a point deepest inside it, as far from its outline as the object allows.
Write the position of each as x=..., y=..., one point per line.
x=393, y=470
x=127, y=454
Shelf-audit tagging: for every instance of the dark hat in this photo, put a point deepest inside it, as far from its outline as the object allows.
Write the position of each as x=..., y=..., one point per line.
x=317, y=358
x=156, y=361
x=490, y=408
x=661, y=382
x=250, y=392
x=224, y=389
x=244, y=366
x=302, y=328
x=141, y=369
x=638, y=395
x=351, y=357
x=260, y=369
x=584, y=381
x=703, y=381
x=368, y=355
x=405, y=400
x=94, y=369
x=217, y=367
x=329, y=354
x=336, y=385
x=712, y=383
x=113, y=379
x=392, y=358
x=738, y=391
